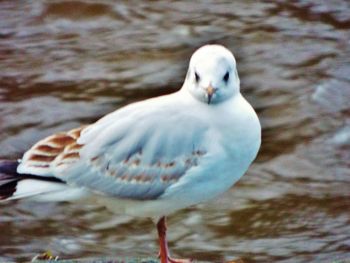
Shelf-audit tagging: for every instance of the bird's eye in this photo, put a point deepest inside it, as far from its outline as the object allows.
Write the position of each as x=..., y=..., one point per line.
x=226, y=76
x=196, y=77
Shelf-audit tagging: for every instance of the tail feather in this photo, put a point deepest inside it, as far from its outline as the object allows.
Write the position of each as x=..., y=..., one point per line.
x=9, y=179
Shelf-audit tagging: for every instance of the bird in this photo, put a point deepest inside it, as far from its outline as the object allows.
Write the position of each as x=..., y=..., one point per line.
x=149, y=158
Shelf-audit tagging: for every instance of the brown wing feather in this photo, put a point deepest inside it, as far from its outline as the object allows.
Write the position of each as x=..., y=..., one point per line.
x=60, y=148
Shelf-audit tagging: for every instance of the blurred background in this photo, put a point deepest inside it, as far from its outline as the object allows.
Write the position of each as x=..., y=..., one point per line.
x=66, y=63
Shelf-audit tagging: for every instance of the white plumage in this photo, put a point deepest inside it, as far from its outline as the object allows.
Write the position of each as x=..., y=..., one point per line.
x=156, y=156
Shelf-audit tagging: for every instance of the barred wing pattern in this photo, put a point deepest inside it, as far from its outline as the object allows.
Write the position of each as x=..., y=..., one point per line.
x=55, y=150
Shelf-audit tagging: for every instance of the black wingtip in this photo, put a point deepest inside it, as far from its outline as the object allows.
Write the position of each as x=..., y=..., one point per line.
x=7, y=190
x=8, y=178
x=8, y=167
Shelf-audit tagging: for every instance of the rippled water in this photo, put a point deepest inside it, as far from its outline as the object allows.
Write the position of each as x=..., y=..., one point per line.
x=64, y=63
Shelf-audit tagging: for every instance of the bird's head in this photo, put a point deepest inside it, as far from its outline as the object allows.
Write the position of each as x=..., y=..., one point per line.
x=212, y=75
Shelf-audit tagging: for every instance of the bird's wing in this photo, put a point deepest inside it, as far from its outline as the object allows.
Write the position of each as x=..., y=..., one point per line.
x=137, y=153
x=39, y=159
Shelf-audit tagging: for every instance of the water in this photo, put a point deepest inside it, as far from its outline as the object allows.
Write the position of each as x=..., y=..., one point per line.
x=65, y=63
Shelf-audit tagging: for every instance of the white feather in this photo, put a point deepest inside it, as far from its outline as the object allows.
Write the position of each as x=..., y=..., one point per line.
x=47, y=191
x=168, y=129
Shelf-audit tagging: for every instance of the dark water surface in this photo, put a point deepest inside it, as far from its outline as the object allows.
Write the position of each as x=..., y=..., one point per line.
x=65, y=63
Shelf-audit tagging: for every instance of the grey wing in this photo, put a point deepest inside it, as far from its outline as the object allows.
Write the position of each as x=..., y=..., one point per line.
x=137, y=157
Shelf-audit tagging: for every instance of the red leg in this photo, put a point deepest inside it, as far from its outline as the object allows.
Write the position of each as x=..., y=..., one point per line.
x=163, y=244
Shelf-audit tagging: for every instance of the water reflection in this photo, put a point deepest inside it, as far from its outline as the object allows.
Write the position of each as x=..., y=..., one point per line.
x=63, y=64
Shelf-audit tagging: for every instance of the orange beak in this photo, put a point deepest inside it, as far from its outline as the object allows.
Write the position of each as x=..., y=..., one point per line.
x=210, y=91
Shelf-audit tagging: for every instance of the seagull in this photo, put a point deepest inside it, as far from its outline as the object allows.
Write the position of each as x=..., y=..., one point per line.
x=149, y=158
